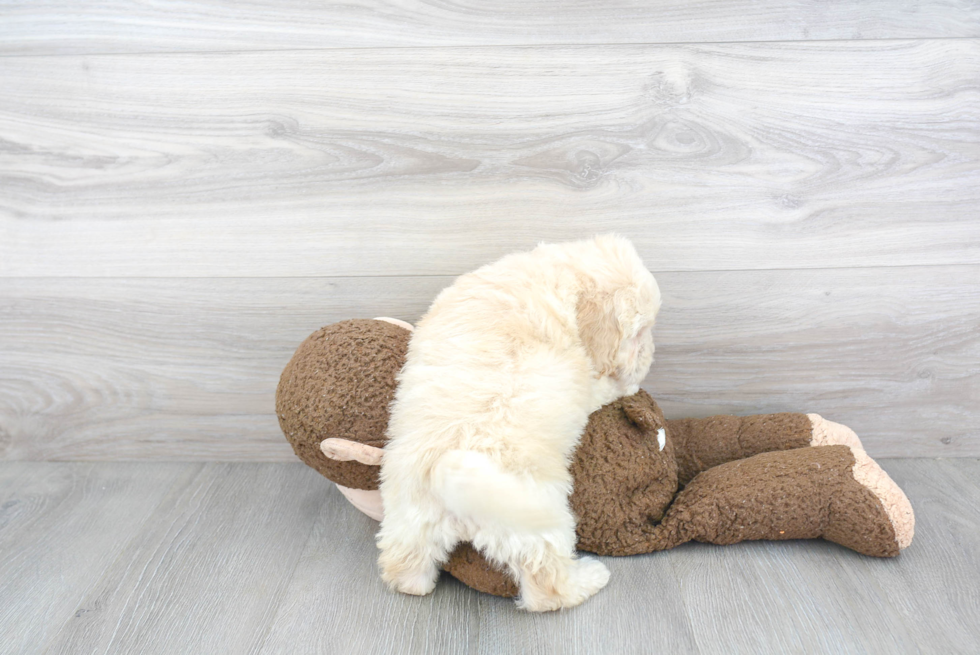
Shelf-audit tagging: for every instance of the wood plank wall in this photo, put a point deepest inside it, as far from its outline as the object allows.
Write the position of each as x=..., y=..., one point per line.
x=187, y=191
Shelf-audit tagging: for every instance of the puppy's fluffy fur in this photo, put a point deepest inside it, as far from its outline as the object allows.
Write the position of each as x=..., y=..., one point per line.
x=501, y=376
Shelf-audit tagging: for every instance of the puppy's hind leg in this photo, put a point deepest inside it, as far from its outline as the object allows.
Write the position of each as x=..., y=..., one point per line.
x=412, y=554
x=522, y=523
x=559, y=580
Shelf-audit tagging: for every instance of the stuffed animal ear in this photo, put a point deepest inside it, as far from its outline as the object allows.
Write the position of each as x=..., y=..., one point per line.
x=344, y=450
x=396, y=321
x=640, y=413
x=599, y=329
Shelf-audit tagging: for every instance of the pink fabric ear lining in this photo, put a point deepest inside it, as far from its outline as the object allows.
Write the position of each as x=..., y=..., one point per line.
x=366, y=500
x=344, y=450
x=395, y=321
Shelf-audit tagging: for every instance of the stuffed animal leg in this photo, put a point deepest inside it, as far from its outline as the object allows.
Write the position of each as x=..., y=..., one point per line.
x=767, y=476
x=702, y=443
x=803, y=493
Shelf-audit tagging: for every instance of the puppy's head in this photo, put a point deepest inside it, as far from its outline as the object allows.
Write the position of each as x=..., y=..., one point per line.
x=616, y=309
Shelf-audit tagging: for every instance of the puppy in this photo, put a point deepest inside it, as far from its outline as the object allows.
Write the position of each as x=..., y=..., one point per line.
x=500, y=378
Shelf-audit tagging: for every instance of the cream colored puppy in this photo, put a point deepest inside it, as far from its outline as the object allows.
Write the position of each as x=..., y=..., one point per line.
x=501, y=376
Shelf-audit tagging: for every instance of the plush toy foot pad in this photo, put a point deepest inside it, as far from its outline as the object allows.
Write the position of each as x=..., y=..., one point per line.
x=870, y=475
x=802, y=493
x=339, y=384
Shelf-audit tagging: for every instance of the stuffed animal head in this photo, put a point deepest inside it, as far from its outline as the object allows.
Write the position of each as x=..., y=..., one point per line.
x=338, y=386
x=624, y=472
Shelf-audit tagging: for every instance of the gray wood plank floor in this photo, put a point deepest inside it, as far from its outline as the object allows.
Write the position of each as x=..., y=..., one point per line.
x=269, y=558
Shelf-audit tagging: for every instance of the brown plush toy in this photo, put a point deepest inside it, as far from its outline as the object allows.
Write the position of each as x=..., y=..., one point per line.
x=772, y=476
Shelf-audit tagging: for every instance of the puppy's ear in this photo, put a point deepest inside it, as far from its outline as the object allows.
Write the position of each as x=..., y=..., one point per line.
x=599, y=329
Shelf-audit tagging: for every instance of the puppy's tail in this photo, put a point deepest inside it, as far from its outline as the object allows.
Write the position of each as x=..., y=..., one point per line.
x=473, y=486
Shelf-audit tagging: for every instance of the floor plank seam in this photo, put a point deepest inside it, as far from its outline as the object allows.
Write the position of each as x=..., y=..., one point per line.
x=450, y=276
x=556, y=45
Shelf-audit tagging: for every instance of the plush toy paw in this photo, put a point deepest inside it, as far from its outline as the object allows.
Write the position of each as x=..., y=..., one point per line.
x=828, y=433
x=802, y=493
x=869, y=475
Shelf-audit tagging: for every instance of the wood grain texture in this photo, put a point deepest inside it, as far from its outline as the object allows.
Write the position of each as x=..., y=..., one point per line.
x=337, y=583
x=377, y=162
x=173, y=369
x=207, y=572
x=186, y=369
x=783, y=607
x=893, y=353
x=61, y=527
x=632, y=618
x=336, y=602
x=856, y=604
x=946, y=499
x=128, y=26
x=271, y=559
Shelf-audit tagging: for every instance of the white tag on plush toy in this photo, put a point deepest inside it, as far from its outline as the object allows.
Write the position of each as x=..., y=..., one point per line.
x=661, y=438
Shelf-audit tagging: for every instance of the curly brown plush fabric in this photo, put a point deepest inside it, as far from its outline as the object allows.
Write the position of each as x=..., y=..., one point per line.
x=622, y=478
x=803, y=493
x=701, y=443
x=468, y=566
x=340, y=383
